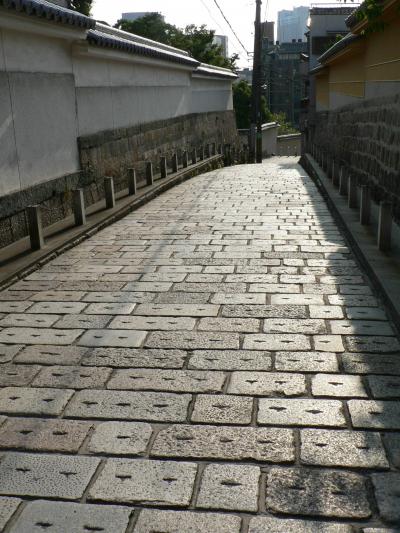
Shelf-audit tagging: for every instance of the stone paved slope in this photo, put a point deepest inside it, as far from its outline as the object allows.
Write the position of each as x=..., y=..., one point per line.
x=216, y=362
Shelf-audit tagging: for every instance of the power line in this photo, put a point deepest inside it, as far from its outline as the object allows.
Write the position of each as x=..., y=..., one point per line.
x=230, y=26
x=215, y=21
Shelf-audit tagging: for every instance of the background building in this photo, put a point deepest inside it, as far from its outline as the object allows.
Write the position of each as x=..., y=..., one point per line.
x=222, y=41
x=292, y=24
x=137, y=15
x=268, y=31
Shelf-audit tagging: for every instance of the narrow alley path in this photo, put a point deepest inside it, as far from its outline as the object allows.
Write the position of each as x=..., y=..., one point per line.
x=216, y=362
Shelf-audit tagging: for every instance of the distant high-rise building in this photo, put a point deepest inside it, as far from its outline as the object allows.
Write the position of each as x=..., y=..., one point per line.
x=268, y=31
x=292, y=24
x=137, y=15
x=222, y=41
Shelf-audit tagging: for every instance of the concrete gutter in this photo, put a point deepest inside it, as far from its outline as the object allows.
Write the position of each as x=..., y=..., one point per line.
x=383, y=268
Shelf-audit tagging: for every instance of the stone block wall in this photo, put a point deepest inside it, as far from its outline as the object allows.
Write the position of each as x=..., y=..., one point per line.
x=110, y=153
x=366, y=138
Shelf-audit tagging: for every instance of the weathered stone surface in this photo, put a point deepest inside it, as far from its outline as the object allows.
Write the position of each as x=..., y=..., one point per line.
x=112, y=338
x=152, y=323
x=371, y=363
x=264, y=524
x=392, y=443
x=151, y=520
x=230, y=360
x=110, y=308
x=127, y=405
x=317, y=493
x=57, y=308
x=325, y=311
x=387, y=495
x=51, y=355
x=301, y=412
x=222, y=409
x=238, y=299
x=33, y=401
x=177, y=310
x=306, y=362
x=227, y=443
x=383, y=387
x=361, y=327
x=193, y=341
x=8, y=506
x=342, y=448
x=63, y=517
x=249, y=325
x=21, y=320
x=72, y=377
x=281, y=325
x=233, y=487
x=39, y=336
x=53, y=476
x=120, y=438
x=7, y=353
x=43, y=435
x=338, y=385
x=374, y=414
x=159, y=483
x=134, y=358
x=12, y=375
x=267, y=384
x=277, y=342
x=372, y=344
x=83, y=321
x=265, y=311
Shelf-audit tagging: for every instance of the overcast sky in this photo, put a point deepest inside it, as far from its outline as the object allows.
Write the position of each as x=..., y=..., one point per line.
x=240, y=14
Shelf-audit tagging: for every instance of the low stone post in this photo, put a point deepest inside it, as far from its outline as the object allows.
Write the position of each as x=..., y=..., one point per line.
x=352, y=191
x=35, y=227
x=163, y=167
x=335, y=173
x=149, y=173
x=214, y=149
x=132, y=181
x=185, y=162
x=202, y=153
x=385, y=226
x=365, y=205
x=343, y=181
x=78, y=207
x=220, y=149
x=109, y=192
x=174, y=163
x=207, y=151
x=194, y=156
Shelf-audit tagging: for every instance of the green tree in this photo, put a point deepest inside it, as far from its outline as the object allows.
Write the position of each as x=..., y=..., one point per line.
x=82, y=6
x=242, y=104
x=197, y=40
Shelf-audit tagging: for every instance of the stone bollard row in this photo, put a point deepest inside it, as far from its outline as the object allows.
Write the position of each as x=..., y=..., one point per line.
x=347, y=184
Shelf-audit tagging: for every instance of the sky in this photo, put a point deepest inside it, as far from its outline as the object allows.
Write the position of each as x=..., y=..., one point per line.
x=240, y=14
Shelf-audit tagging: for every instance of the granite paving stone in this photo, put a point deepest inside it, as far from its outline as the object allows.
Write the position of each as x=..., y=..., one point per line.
x=354, y=449
x=33, y=434
x=8, y=506
x=309, y=492
x=297, y=299
x=267, y=384
x=238, y=299
x=365, y=313
x=371, y=414
x=65, y=517
x=222, y=409
x=72, y=377
x=33, y=401
x=301, y=412
x=387, y=495
x=160, y=483
x=83, y=321
x=51, y=355
x=180, y=298
x=61, y=337
x=14, y=307
x=129, y=405
x=228, y=443
x=177, y=310
x=12, y=375
x=120, y=438
x=370, y=344
x=247, y=325
x=7, y=353
x=264, y=524
x=21, y=320
x=57, y=308
x=230, y=360
x=152, y=323
x=233, y=487
x=110, y=309
x=151, y=520
x=383, y=387
x=112, y=338
x=328, y=343
x=277, y=342
x=265, y=311
x=338, y=385
x=306, y=362
x=58, y=296
x=195, y=381
x=281, y=325
x=134, y=358
x=48, y=476
x=361, y=327
x=118, y=297
x=371, y=363
x=193, y=341
x=392, y=444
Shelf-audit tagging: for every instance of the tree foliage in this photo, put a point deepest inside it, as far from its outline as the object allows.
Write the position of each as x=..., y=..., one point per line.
x=197, y=40
x=242, y=92
x=82, y=6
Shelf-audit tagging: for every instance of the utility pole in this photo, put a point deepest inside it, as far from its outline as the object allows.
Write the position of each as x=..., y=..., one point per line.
x=255, y=127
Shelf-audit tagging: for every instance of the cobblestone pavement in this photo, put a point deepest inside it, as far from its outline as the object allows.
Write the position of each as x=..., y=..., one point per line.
x=216, y=362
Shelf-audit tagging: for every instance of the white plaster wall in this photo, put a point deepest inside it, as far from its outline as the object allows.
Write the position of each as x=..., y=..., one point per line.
x=54, y=88
x=375, y=89
x=339, y=99
x=269, y=141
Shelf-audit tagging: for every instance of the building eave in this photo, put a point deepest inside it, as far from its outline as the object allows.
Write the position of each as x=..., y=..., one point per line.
x=338, y=47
